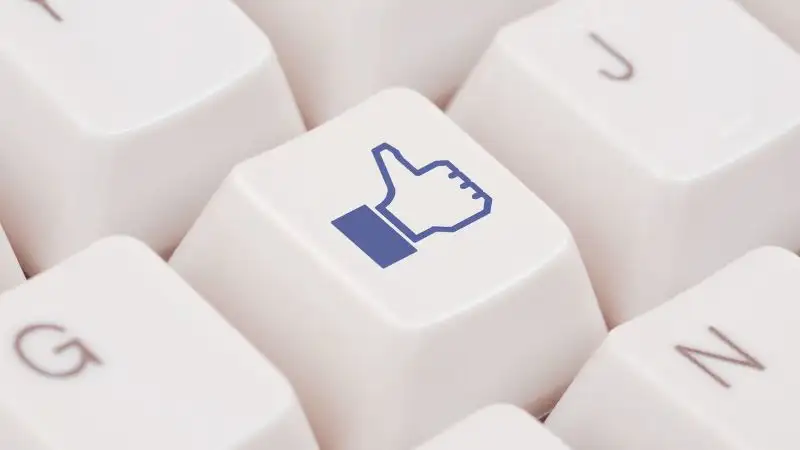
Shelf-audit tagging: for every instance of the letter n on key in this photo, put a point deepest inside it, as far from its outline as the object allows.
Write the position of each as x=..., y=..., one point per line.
x=745, y=359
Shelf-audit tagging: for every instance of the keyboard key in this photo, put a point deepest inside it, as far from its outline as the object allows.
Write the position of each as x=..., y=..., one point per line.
x=336, y=55
x=668, y=149
x=111, y=349
x=124, y=116
x=713, y=368
x=495, y=427
x=781, y=16
x=397, y=274
x=10, y=271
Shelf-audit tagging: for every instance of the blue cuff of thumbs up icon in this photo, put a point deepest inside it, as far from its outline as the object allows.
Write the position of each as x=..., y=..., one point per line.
x=437, y=198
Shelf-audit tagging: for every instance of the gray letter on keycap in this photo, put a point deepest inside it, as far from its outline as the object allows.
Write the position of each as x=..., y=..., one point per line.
x=692, y=353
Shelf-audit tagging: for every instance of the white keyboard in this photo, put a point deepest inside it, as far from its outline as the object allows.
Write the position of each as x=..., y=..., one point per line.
x=399, y=224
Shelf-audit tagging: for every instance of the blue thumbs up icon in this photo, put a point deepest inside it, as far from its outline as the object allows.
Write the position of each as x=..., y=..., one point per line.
x=436, y=198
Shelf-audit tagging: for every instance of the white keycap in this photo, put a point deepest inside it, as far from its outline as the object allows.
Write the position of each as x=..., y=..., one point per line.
x=124, y=117
x=713, y=369
x=496, y=427
x=10, y=271
x=781, y=16
x=337, y=54
x=112, y=350
x=395, y=296
x=664, y=170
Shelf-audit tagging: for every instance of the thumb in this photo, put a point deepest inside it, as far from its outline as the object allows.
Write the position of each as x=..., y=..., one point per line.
x=394, y=167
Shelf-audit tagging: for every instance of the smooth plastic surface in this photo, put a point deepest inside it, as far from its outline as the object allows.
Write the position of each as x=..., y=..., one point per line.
x=124, y=117
x=112, y=350
x=667, y=148
x=387, y=348
x=715, y=368
x=339, y=53
x=495, y=427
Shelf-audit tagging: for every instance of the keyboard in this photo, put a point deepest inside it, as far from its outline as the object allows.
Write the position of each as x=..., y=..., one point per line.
x=399, y=224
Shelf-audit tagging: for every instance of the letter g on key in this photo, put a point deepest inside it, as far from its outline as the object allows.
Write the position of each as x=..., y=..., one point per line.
x=85, y=356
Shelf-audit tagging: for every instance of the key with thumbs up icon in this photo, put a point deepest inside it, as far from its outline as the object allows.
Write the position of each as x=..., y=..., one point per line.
x=419, y=202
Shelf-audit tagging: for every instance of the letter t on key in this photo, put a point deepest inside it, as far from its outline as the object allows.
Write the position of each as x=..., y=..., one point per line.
x=49, y=9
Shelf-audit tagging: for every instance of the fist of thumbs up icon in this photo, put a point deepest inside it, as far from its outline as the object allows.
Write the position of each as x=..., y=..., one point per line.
x=435, y=198
x=419, y=202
